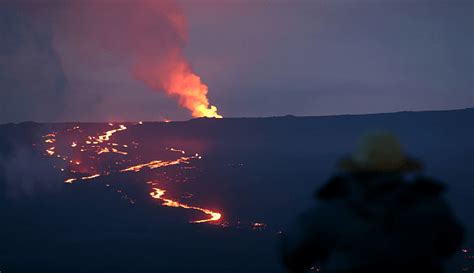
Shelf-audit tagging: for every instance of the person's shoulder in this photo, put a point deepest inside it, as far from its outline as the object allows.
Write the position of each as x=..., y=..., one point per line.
x=421, y=189
x=336, y=187
x=423, y=185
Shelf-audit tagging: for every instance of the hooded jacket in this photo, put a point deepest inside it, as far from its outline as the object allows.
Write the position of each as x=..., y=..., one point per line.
x=374, y=222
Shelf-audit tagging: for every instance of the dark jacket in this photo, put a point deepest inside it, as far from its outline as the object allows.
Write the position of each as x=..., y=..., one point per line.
x=374, y=223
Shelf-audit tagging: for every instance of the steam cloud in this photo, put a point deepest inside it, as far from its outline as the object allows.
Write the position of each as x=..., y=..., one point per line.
x=150, y=35
x=24, y=173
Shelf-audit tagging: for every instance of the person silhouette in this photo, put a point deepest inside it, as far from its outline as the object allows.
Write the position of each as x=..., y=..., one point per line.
x=378, y=215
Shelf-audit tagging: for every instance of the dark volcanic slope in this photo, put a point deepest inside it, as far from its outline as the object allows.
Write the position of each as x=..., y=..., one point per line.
x=252, y=170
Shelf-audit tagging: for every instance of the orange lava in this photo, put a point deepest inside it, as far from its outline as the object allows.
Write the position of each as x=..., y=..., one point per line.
x=101, y=144
x=108, y=134
x=50, y=151
x=190, y=91
x=70, y=180
x=177, y=150
x=112, y=150
x=90, y=176
x=159, y=164
x=159, y=194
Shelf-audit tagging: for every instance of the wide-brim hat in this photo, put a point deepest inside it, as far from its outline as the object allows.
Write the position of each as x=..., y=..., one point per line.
x=379, y=152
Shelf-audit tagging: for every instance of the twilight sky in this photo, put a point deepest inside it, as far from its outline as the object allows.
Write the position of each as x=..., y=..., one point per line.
x=259, y=58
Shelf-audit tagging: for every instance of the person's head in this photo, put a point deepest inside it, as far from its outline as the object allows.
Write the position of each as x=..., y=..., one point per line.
x=379, y=152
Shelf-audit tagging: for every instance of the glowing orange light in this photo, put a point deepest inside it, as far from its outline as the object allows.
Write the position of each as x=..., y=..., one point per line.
x=96, y=144
x=190, y=91
x=177, y=150
x=90, y=177
x=119, y=152
x=159, y=193
x=103, y=150
x=50, y=151
x=70, y=180
x=108, y=134
x=258, y=226
x=158, y=164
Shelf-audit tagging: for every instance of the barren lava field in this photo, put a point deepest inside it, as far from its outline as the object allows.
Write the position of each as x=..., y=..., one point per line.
x=205, y=195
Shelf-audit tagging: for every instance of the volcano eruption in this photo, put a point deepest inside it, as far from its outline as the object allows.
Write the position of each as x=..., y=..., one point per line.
x=207, y=187
x=147, y=36
x=114, y=156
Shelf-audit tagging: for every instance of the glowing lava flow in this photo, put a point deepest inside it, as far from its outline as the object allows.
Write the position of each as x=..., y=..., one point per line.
x=177, y=150
x=159, y=193
x=108, y=134
x=70, y=180
x=159, y=164
x=90, y=176
x=111, y=150
x=99, y=144
x=50, y=138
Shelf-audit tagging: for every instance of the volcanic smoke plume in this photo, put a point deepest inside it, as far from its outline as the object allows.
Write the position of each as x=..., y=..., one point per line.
x=150, y=35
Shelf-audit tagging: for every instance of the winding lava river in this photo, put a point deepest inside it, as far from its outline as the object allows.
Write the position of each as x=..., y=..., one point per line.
x=94, y=146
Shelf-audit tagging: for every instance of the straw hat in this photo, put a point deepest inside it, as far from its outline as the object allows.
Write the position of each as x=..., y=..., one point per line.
x=379, y=152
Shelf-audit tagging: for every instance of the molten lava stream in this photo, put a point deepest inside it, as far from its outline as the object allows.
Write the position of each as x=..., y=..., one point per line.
x=97, y=145
x=108, y=134
x=160, y=163
x=159, y=194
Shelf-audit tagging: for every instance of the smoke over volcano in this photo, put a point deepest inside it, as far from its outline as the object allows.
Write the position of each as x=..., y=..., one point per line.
x=87, y=53
x=149, y=35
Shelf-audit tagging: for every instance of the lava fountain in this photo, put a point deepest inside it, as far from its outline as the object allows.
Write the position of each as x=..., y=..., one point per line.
x=148, y=36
